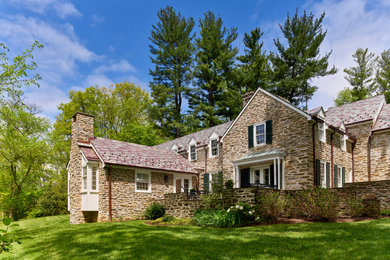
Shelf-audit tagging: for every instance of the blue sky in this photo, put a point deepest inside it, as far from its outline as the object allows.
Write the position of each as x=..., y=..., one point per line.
x=102, y=42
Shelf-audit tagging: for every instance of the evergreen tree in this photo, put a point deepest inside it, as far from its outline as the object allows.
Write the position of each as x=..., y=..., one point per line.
x=383, y=74
x=214, y=100
x=361, y=76
x=172, y=53
x=254, y=70
x=296, y=64
x=343, y=97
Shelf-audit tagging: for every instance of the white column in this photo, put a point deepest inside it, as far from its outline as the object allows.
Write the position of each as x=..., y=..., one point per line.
x=279, y=173
x=236, y=176
x=284, y=176
x=274, y=173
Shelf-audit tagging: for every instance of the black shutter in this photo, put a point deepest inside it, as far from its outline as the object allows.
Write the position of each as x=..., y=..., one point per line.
x=268, y=132
x=327, y=175
x=206, y=182
x=318, y=173
x=335, y=176
x=343, y=176
x=250, y=136
x=271, y=177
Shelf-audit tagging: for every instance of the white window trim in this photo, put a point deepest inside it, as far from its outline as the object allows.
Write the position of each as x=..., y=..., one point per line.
x=323, y=184
x=324, y=127
x=210, y=148
x=254, y=134
x=182, y=177
x=149, y=181
x=261, y=168
x=89, y=166
x=339, y=177
x=343, y=143
x=189, y=152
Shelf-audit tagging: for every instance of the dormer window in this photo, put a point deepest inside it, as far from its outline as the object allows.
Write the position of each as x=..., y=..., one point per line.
x=174, y=148
x=321, y=132
x=214, y=147
x=192, y=153
x=343, y=143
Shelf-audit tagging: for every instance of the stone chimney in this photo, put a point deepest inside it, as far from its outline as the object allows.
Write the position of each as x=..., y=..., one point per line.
x=82, y=131
x=246, y=97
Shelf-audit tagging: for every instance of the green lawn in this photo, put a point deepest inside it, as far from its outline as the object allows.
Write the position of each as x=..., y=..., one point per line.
x=55, y=238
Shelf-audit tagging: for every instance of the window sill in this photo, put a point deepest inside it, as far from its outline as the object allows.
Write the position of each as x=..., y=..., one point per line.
x=143, y=191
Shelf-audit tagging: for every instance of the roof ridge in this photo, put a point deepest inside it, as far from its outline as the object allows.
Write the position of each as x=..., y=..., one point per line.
x=358, y=101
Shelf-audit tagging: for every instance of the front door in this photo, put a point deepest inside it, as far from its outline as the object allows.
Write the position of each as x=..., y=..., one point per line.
x=245, y=177
x=178, y=185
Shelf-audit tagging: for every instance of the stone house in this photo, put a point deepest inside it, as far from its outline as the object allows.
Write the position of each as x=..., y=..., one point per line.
x=270, y=144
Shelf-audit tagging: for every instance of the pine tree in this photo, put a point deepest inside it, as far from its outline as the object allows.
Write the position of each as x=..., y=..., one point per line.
x=172, y=53
x=361, y=76
x=382, y=77
x=213, y=73
x=296, y=64
x=254, y=70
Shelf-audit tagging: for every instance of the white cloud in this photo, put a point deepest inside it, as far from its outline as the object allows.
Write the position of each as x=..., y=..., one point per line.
x=121, y=66
x=351, y=24
x=62, y=8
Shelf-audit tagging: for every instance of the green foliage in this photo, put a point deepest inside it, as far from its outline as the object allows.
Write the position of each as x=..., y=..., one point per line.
x=236, y=216
x=214, y=100
x=296, y=64
x=354, y=207
x=217, y=182
x=271, y=204
x=6, y=240
x=382, y=76
x=361, y=76
x=23, y=155
x=229, y=184
x=15, y=75
x=254, y=70
x=172, y=54
x=385, y=212
x=154, y=211
x=171, y=221
x=211, y=201
x=344, y=97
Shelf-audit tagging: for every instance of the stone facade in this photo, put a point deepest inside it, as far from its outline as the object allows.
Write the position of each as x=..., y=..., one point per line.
x=380, y=156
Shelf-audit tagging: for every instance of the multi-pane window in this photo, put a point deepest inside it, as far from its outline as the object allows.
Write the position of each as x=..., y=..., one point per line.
x=214, y=147
x=84, y=176
x=186, y=185
x=142, y=182
x=266, y=177
x=257, y=176
x=192, y=153
x=321, y=132
x=94, y=178
x=260, y=134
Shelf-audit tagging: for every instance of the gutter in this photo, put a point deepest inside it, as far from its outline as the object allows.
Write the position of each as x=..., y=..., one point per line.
x=369, y=156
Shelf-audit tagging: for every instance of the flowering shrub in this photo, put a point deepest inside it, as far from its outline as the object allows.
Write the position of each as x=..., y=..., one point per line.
x=235, y=216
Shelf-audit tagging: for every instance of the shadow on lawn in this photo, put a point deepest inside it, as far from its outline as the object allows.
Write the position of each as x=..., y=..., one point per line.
x=135, y=240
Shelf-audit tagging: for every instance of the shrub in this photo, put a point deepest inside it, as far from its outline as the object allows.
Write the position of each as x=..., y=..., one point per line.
x=385, y=212
x=271, y=204
x=211, y=201
x=167, y=218
x=319, y=203
x=354, y=207
x=229, y=184
x=6, y=240
x=154, y=211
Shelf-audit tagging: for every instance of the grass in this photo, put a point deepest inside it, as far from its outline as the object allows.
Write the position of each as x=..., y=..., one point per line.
x=55, y=238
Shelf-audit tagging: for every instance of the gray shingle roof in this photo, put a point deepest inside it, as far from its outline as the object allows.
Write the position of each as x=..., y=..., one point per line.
x=201, y=137
x=89, y=153
x=383, y=121
x=356, y=112
x=135, y=155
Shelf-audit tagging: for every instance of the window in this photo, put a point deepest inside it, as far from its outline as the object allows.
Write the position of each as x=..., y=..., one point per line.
x=186, y=185
x=142, y=182
x=84, y=176
x=192, y=153
x=94, y=178
x=256, y=178
x=260, y=134
x=339, y=177
x=214, y=147
x=323, y=172
x=321, y=132
x=266, y=176
x=343, y=144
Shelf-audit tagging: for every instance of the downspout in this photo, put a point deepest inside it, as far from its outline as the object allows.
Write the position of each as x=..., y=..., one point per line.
x=109, y=195
x=369, y=156
x=205, y=165
x=353, y=161
x=314, y=154
x=331, y=157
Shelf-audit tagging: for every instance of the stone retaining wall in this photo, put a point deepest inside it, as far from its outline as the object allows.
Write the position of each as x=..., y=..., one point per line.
x=180, y=205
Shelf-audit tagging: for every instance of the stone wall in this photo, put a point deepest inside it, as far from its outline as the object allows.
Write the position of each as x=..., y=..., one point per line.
x=380, y=156
x=373, y=189
x=291, y=133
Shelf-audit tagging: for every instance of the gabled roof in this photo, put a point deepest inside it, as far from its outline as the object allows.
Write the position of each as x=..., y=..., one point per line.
x=383, y=121
x=359, y=111
x=318, y=112
x=201, y=137
x=89, y=153
x=135, y=155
